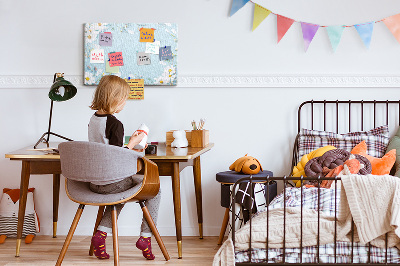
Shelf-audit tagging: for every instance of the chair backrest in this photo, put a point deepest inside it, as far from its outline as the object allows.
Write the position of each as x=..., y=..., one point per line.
x=93, y=162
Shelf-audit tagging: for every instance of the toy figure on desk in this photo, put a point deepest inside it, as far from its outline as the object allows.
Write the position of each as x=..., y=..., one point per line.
x=9, y=206
x=180, y=140
x=110, y=98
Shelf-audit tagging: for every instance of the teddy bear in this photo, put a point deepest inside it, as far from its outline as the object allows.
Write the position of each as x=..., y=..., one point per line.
x=180, y=140
x=246, y=165
x=9, y=205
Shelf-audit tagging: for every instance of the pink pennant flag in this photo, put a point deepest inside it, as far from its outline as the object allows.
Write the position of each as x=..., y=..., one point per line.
x=393, y=23
x=283, y=25
x=309, y=31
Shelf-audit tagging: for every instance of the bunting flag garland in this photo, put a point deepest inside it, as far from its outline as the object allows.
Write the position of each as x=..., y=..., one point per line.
x=309, y=30
x=393, y=24
x=335, y=34
x=260, y=13
x=236, y=5
x=365, y=32
x=283, y=25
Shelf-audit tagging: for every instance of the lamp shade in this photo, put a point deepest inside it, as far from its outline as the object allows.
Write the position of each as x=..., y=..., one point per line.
x=62, y=90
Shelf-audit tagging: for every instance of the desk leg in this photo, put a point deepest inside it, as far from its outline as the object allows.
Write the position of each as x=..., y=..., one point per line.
x=56, y=199
x=25, y=175
x=197, y=187
x=176, y=190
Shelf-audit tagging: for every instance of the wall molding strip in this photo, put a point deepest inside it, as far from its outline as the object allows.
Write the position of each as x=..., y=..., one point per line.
x=302, y=81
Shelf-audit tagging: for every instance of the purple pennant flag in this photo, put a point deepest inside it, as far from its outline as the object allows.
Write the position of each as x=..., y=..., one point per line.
x=309, y=31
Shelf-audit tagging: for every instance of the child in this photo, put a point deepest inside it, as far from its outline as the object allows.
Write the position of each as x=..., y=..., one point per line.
x=110, y=98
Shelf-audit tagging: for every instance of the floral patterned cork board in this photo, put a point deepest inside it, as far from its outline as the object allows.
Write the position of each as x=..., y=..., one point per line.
x=145, y=51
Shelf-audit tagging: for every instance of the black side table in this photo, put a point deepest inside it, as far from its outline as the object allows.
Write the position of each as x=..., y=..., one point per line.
x=229, y=178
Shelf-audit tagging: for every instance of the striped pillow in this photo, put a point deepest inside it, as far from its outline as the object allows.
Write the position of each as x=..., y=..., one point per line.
x=377, y=140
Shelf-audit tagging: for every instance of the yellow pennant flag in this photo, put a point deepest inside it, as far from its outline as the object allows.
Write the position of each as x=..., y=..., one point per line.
x=260, y=13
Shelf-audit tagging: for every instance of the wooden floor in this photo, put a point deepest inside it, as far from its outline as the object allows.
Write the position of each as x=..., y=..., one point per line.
x=44, y=250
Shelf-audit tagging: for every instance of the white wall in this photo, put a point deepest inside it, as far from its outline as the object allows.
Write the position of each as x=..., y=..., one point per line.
x=42, y=37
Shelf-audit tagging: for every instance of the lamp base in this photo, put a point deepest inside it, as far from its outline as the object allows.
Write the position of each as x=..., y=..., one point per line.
x=45, y=139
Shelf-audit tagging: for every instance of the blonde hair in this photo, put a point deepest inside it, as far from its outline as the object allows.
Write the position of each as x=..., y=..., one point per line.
x=109, y=93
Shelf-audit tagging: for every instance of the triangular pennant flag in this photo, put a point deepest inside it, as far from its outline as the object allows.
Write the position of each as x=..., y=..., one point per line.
x=393, y=23
x=365, y=32
x=283, y=24
x=260, y=13
x=335, y=34
x=236, y=5
x=309, y=31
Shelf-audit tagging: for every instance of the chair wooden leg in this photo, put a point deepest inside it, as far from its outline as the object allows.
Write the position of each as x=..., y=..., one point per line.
x=115, y=235
x=223, y=227
x=70, y=234
x=154, y=230
x=98, y=220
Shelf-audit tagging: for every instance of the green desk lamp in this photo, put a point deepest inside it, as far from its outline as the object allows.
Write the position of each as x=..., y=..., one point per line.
x=61, y=90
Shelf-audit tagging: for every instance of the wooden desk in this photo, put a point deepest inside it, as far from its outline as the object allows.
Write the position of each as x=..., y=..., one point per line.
x=170, y=162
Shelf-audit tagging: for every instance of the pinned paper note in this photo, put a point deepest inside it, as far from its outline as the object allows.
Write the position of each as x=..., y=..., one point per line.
x=146, y=35
x=143, y=59
x=137, y=89
x=165, y=53
x=105, y=39
x=97, y=56
x=153, y=47
x=111, y=69
x=116, y=59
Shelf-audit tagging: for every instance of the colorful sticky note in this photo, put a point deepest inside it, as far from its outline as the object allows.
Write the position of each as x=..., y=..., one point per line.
x=146, y=35
x=165, y=53
x=97, y=56
x=105, y=39
x=137, y=89
x=152, y=47
x=111, y=69
x=116, y=59
x=143, y=59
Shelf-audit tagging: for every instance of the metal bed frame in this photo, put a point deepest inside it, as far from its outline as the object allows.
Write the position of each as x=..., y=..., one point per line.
x=337, y=109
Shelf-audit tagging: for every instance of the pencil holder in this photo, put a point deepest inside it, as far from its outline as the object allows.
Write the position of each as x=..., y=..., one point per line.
x=199, y=138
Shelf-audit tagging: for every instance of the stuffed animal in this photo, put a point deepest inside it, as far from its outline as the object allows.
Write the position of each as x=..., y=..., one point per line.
x=9, y=205
x=180, y=140
x=246, y=165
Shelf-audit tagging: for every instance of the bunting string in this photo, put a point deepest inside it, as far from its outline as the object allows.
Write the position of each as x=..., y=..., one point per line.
x=310, y=29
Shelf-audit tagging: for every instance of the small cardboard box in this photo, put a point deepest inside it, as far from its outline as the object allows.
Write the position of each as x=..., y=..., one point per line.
x=170, y=138
x=200, y=138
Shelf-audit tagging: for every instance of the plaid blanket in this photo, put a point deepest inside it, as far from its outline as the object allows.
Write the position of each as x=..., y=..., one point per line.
x=326, y=252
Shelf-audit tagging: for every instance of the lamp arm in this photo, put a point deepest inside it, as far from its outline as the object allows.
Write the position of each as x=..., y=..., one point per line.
x=50, y=116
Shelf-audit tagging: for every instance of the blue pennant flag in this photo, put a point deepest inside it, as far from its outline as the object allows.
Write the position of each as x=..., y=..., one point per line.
x=365, y=32
x=335, y=35
x=236, y=5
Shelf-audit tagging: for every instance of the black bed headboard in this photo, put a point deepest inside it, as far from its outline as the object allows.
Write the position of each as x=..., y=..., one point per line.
x=346, y=116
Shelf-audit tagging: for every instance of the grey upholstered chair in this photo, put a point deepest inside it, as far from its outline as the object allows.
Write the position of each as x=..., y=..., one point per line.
x=83, y=162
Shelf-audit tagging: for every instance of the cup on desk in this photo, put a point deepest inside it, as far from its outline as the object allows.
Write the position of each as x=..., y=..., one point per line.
x=200, y=138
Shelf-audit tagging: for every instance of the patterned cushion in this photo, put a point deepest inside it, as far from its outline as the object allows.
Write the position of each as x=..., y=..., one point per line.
x=377, y=139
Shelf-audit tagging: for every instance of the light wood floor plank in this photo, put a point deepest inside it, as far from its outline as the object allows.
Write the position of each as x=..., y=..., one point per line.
x=44, y=250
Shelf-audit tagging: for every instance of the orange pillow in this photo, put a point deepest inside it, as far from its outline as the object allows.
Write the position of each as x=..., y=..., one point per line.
x=380, y=166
